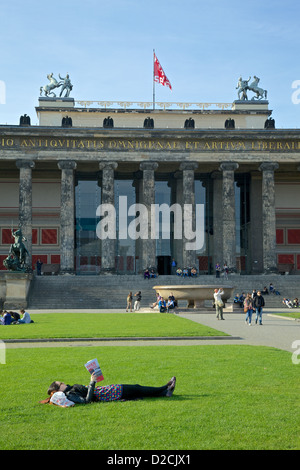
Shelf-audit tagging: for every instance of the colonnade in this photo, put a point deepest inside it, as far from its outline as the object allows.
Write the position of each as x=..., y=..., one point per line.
x=224, y=210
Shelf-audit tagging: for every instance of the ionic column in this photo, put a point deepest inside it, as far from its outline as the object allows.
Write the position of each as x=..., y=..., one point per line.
x=217, y=216
x=188, y=209
x=108, y=246
x=268, y=216
x=228, y=209
x=67, y=214
x=148, y=198
x=25, y=203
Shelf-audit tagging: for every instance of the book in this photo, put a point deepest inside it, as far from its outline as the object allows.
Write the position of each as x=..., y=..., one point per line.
x=93, y=367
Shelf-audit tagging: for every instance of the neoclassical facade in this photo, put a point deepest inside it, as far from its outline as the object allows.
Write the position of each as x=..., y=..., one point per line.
x=229, y=160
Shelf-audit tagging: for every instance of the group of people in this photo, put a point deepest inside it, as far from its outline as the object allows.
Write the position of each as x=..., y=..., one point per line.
x=134, y=302
x=163, y=305
x=291, y=304
x=14, y=318
x=186, y=272
x=137, y=301
x=219, y=270
x=250, y=303
x=150, y=273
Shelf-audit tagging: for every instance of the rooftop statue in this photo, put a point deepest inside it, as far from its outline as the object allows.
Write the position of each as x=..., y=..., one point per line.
x=243, y=86
x=65, y=84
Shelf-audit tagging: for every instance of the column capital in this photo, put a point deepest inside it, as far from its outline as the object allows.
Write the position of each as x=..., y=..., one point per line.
x=188, y=166
x=268, y=166
x=148, y=166
x=229, y=166
x=108, y=165
x=25, y=164
x=66, y=164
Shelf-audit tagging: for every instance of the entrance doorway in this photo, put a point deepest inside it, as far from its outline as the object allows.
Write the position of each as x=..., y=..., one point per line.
x=164, y=265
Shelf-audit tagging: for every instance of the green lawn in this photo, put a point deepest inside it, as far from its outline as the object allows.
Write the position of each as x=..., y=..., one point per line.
x=290, y=313
x=227, y=397
x=93, y=325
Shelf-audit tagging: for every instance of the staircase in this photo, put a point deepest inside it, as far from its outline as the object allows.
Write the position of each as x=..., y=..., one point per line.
x=110, y=291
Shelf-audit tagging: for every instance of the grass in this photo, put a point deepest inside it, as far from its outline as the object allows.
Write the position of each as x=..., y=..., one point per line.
x=226, y=397
x=289, y=313
x=93, y=325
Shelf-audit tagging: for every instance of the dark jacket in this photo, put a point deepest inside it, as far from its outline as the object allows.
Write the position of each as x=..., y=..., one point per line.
x=258, y=301
x=80, y=393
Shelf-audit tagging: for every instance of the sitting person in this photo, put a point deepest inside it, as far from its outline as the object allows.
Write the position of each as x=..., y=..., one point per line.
x=162, y=305
x=193, y=272
x=82, y=394
x=146, y=274
x=287, y=303
x=153, y=273
x=25, y=318
x=265, y=291
x=296, y=302
x=155, y=304
x=15, y=316
x=1, y=317
x=171, y=296
x=242, y=299
x=185, y=272
x=7, y=318
x=237, y=300
x=170, y=304
x=179, y=272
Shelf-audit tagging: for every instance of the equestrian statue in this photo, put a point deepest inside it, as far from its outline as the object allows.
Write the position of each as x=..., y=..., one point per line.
x=243, y=86
x=48, y=89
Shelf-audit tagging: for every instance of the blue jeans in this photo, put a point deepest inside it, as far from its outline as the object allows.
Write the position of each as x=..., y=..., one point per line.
x=249, y=315
x=259, y=315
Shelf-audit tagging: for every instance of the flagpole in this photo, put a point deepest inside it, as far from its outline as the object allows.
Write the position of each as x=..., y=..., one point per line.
x=153, y=80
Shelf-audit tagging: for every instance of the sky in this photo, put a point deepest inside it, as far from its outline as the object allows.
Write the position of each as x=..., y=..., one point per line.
x=106, y=47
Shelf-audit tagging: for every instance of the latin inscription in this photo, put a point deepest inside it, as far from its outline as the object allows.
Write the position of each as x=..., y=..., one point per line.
x=148, y=145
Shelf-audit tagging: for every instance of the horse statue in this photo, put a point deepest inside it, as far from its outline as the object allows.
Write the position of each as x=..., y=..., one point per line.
x=18, y=251
x=260, y=92
x=47, y=89
x=243, y=86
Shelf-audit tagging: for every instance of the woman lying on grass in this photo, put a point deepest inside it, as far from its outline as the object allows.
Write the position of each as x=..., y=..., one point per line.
x=68, y=395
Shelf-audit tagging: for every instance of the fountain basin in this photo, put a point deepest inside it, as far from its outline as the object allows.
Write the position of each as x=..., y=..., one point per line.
x=194, y=294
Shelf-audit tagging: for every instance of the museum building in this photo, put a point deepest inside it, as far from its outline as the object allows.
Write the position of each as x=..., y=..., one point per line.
x=227, y=158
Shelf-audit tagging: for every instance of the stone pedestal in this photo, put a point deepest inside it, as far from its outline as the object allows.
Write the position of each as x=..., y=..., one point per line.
x=14, y=287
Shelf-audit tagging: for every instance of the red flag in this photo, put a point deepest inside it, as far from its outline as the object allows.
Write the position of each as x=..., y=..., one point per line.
x=159, y=74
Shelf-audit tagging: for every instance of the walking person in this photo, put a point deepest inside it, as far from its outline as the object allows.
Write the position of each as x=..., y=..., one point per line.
x=258, y=304
x=137, y=302
x=248, y=309
x=129, y=302
x=219, y=303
